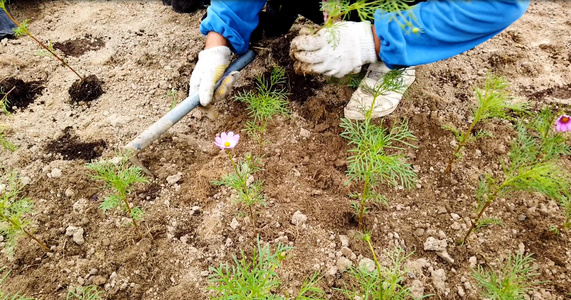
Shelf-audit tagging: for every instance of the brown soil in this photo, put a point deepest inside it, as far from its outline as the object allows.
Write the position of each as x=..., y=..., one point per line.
x=77, y=47
x=70, y=147
x=19, y=93
x=86, y=89
x=188, y=224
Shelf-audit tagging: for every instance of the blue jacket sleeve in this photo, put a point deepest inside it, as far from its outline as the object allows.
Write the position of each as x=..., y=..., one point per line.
x=449, y=27
x=233, y=19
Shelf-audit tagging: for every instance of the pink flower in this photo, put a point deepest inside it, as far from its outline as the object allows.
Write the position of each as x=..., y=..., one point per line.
x=226, y=140
x=563, y=123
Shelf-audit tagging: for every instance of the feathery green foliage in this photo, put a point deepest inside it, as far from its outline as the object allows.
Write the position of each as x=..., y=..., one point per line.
x=9, y=296
x=268, y=101
x=13, y=208
x=4, y=102
x=252, y=277
x=384, y=282
x=511, y=281
x=532, y=166
x=90, y=292
x=493, y=101
x=6, y=144
x=119, y=177
x=376, y=156
x=250, y=194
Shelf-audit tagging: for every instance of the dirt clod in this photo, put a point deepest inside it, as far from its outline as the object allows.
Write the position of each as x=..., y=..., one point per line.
x=72, y=148
x=87, y=89
x=20, y=93
x=77, y=47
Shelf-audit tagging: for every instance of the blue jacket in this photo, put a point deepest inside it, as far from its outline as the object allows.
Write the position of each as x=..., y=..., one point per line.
x=449, y=27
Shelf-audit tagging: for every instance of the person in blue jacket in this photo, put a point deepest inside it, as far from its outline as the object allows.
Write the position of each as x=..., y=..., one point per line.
x=445, y=28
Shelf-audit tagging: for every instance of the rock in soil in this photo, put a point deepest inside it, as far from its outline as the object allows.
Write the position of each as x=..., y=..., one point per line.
x=298, y=218
x=87, y=89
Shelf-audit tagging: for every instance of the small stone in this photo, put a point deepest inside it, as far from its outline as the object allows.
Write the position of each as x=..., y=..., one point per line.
x=439, y=279
x=25, y=180
x=340, y=162
x=81, y=281
x=78, y=237
x=69, y=192
x=522, y=217
x=444, y=255
x=461, y=291
x=298, y=218
x=331, y=271
x=367, y=264
x=304, y=133
x=174, y=178
x=56, y=173
x=456, y=226
x=346, y=252
x=343, y=264
x=98, y=280
x=344, y=240
x=93, y=271
x=473, y=261
x=442, y=210
x=433, y=244
x=204, y=273
x=419, y=232
x=417, y=289
x=455, y=217
x=234, y=224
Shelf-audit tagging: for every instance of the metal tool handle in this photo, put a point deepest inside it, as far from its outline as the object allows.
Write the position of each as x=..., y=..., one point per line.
x=172, y=117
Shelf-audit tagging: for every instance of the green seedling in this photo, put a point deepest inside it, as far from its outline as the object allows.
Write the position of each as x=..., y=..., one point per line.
x=371, y=161
x=511, y=281
x=255, y=277
x=384, y=282
x=9, y=296
x=4, y=102
x=493, y=101
x=119, y=177
x=250, y=194
x=531, y=165
x=13, y=209
x=6, y=144
x=172, y=95
x=22, y=29
x=90, y=292
x=268, y=101
x=44, y=52
x=339, y=10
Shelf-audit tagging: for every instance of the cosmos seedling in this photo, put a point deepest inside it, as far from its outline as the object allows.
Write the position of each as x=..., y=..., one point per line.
x=4, y=102
x=532, y=165
x=370, y=161
x=249, y=193
x=22, y=29
x=13, y=210
x=513, y=279
x=6, y=144
x=255, y=277
x=119, y=177
x=90, y=292
x=339, y=10
x=493, y=101
x=269, y=101
x=384, y=282
x=172, y=95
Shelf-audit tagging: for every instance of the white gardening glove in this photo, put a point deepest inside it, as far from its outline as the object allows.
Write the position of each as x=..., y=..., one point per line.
x=212, y=63
x=335, y=51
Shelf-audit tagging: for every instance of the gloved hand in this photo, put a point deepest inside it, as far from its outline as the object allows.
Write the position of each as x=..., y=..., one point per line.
x=335, y=51
x=212, y=63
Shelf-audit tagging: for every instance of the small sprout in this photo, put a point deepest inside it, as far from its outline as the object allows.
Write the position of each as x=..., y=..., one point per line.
x=252, y=277
x=13, y=208
x=119, y=177
x=4, y=102
x=269, y=101
x=492, y=102
x=249, y=193
x=90, y=292
x=563, y=123
x=512, y=280
x=5, y=143
x=173, y=96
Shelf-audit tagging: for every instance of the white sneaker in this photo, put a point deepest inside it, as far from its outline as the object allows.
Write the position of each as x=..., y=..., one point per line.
x=386, y=103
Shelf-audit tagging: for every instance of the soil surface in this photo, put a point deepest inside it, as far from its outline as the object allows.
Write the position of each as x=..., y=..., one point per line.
x=191, y=225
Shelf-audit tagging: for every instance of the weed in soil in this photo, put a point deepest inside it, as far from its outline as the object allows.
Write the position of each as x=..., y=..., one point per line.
x=10, y=296
x=19, y=93
x=78, y=47
x=72, y=148
x=6, y=144
x=86, y=89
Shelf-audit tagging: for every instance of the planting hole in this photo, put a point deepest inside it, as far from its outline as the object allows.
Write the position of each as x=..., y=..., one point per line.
x=20, y=93
x=87, y=89
x=72, y=148
x=77, y=47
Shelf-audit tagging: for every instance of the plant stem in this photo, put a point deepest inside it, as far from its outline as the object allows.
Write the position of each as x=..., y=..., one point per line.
x=364, y=197
x=245, y=187
x=42, y=44
x=460, y=145
x=378, y=266
x=490, y=200
x=44, y=246
x=124, y=197
x=263, y=129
